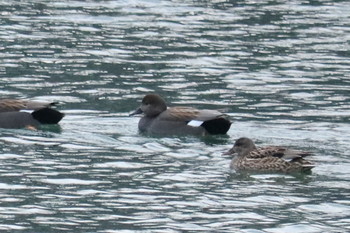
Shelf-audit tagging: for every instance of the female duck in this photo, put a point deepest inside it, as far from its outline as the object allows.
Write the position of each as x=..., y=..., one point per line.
x=267, y=159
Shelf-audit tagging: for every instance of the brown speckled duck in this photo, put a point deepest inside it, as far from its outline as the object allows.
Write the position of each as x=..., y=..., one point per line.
x=14, y=113
x=159, y=119
x=267, y=159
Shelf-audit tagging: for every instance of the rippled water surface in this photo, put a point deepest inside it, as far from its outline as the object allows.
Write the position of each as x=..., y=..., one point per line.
x=280, y=69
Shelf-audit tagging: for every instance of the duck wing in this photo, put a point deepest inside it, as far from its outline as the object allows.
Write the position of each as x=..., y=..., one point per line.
x=277, y=164
x=13, y=105
x=189, y=114
x=278, y=152
x=180, y=114
x=213, y=121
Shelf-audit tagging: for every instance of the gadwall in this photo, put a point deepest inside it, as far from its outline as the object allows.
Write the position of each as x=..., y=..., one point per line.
x=159, y=119
x=267, y=159
x=15, y=113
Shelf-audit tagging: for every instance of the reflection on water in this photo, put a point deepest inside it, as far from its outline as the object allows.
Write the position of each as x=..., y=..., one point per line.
x=279, y=69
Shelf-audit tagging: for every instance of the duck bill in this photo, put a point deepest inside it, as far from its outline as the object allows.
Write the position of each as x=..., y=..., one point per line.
x=137, y=111
x=230, y=152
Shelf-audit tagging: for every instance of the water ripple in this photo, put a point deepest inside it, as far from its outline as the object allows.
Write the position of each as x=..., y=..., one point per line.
x=279, y=70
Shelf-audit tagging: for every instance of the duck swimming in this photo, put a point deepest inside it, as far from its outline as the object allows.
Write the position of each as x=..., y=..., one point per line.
x=160, y=119
x=267, y=159
x=14, y=113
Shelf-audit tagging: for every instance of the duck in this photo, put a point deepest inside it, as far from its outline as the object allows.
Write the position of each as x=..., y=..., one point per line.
x=248, y=157
x=159, y=119
x=17, y=113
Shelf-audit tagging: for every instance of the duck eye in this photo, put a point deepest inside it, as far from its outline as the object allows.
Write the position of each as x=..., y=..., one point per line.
x=239, y=143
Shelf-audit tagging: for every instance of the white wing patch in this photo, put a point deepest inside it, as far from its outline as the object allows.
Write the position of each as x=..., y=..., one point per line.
x=26, y=110
x=195, y=123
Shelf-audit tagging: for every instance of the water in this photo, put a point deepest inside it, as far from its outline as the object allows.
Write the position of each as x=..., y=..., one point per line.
x=279, y=69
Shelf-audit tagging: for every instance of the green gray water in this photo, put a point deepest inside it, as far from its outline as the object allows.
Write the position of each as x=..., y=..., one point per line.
x=280, y=69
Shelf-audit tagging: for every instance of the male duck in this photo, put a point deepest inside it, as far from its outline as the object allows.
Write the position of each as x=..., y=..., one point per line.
x=13, y=113
x=159, y=119
x=267, y=159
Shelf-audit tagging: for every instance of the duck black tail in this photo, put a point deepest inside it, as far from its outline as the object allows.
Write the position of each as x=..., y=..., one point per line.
x=217, y=126
x=47, y=116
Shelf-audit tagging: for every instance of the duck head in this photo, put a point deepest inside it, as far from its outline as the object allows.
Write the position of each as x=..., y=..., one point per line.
x=152, y=105
x=242, y=147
